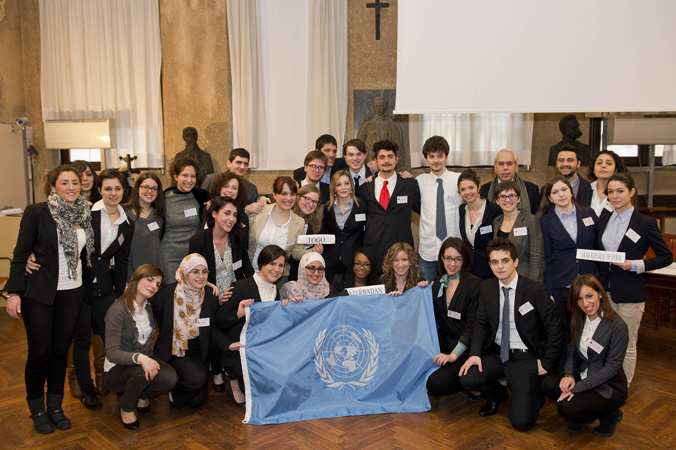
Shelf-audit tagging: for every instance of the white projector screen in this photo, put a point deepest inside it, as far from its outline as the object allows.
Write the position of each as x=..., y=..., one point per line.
x=475, y=56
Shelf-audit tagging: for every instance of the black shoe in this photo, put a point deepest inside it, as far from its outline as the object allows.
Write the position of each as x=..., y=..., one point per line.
x=576, y=427
x=41, y=421
x=473, y=397
x=143, y=410
x=59, y=419
x=228, y=390
x=219, y=387
x=489, y=409
x=608, y=424
x=134, y=426
x=91, y=402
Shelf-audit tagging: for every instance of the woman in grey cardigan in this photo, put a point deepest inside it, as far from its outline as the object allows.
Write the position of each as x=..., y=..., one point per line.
x=130, y=368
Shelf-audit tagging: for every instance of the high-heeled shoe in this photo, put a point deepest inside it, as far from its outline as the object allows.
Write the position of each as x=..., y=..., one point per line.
x=134, y=426
x=228, y=390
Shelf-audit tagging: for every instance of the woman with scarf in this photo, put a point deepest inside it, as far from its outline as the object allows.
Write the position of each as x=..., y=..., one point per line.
x=186, y=313
x=311, y=280
x=49, y=300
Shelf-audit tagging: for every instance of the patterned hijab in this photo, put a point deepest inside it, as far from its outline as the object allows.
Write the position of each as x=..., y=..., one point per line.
x=187, y=305
x=302, y=287
x=66, y=216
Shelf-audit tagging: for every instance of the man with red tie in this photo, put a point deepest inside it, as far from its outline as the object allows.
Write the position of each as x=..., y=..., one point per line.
x=390, y=199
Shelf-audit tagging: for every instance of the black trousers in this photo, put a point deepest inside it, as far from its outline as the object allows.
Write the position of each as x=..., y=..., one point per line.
x=561, y=300
x=131, y=383
x=521, y=370
x=445, y=380
x=91, y=317
x=192, y=388
x=584, y=407
x=49, y=330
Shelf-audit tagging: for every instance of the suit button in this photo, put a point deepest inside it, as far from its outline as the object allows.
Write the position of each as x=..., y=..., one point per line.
x=99, y=258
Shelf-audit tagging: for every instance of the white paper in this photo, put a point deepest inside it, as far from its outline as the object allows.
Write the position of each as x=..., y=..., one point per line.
x=402, y=199
x=313, y=239
x=237, y=265
x=203, y=322
x=598, y=348
x=588, y=221
x=190, y=212
x=366, y=290
x=454, y=314
x=521, y=231
x=360, y=217
x=525, y=308
x=634, y=236
x=485, y=230
x=600, y=255
x=120, y=239
x=153, y=226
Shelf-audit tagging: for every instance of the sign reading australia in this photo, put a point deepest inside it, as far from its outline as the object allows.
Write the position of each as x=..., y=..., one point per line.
x=352, y=355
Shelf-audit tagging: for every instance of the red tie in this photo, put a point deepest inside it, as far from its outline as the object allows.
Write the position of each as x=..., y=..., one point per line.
x=384, y=196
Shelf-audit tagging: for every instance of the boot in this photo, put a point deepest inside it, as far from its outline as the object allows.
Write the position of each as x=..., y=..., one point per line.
x=55, y=412
x=99, y=357
x=73, y=385
x=41, y=422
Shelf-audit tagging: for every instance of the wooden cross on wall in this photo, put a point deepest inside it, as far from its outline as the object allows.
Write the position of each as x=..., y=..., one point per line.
x=377, y=5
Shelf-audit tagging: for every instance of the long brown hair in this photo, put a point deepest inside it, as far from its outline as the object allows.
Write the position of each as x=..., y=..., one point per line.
x=334, y=181
x=577, y=316
x=389, y=278
x=144, y=271
x=314, y=220
x=546, y=204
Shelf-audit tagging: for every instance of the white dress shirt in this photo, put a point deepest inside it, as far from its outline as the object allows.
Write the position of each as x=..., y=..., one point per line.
x=427, y=182
x=515, y=341
x=391, y=183
x=267, y=291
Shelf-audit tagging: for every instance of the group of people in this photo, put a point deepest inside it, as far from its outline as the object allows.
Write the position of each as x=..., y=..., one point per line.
x=158, y=280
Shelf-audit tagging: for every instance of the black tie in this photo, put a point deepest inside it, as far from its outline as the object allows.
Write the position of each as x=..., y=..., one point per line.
x=504, y=343
x=356, y=181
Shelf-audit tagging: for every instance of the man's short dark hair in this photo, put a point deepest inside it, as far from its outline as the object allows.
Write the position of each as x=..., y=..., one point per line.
x=385, y=145
x=323, y=140
x=356, y=143
x=501, y=244
x=505, y=186
x=435, y=144
x=315, y=154
x=568, y=149
x=241, y=152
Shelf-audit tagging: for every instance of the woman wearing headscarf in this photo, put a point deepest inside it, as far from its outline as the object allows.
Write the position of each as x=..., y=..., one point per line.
x=185, y=313
x=311, y=280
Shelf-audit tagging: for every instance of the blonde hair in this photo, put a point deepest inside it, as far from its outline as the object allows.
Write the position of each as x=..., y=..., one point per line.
x=314, y=220
x=388, y=277
x=332, y=189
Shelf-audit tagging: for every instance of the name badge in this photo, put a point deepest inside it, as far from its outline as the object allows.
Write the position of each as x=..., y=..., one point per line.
x=360, y=217
x=450, y=198
x=204, y=322
x=402, y=199
x=366, y=290
x=598, y=348
x=588, y=221
x=525, y=308
x=290, y=242
x=120, y=239
x=521, y=231
x=485, y=230
x=634, y=236
x=313, y=239
x=190, y=212
x=153, y=226
x=454, y=314
x=237, y=265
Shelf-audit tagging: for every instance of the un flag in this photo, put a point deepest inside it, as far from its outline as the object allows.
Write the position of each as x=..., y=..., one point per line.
x=338, y=357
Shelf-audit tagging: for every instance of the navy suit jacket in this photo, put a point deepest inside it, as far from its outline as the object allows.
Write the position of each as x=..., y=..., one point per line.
x=348, y=240
x=477, y=251
x=584, y=193
x=387, y=227
x=561, y=265
x=627, y=286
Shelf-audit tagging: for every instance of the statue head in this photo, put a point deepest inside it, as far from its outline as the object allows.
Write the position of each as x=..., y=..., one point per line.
x=380, y=105
x=570, y=127
x=190, y=135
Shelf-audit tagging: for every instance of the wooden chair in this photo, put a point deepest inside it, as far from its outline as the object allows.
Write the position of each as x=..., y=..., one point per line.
x=662, y=289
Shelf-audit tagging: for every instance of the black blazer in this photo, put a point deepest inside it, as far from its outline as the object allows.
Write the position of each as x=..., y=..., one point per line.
x=540, y=329
x=111, y=279
x=163, y=309
x=465, y=301
x=203, y=243
x=37, y=234
x=348, y=240
x=386, y=227
x=605, y=375
x=480, y=266
x=531, y=188
x=628, y=286
x=561, y=265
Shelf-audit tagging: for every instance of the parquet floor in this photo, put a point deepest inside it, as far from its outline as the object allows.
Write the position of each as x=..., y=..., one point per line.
x=649, y=417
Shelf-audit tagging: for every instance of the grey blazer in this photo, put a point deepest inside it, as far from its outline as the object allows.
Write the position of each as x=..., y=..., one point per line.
x=529, y=248
x=122, y=335
x=605, y=374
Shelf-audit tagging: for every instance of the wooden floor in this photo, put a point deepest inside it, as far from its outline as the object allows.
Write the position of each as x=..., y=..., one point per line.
x=649, y=416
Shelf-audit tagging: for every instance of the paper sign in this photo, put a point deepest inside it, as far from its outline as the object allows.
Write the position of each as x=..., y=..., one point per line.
x=316, y=239
x=600, y=255
x=367, y=290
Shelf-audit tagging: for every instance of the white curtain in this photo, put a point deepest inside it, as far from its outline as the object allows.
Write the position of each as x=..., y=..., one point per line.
x=102, y=60
x=475, y=138
x=327, y=69
x=248, y=105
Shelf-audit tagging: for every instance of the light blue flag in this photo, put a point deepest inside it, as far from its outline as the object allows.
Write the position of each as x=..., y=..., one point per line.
x=337, y=357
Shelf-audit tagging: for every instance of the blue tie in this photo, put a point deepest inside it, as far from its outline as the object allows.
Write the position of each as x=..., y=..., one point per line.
x=504, y=344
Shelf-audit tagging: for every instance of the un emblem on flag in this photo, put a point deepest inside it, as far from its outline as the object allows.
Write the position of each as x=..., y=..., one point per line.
x=345, y=356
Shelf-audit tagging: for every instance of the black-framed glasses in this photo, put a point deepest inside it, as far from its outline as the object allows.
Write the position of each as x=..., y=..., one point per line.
x=147, y=188
x=449, y=259
x=197, y=272
x=316, y=167
x=361, y=265
x=314, y=269
x=309, y=200
x=507, y=197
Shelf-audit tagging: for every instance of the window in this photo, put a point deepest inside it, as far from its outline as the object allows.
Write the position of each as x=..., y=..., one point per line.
x=93, y=155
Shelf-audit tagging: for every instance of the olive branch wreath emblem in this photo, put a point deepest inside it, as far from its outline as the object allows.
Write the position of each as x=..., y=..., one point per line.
x=366, y=376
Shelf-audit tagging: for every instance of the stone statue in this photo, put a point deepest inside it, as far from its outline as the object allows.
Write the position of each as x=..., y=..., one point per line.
x=570, y=131
x=381, y=127
x=193, y=151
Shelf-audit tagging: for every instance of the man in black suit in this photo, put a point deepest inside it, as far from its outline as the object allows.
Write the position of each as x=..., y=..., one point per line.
x=315, y=165
x=328, y=145
x=517, y=335
x=567, y=164
x=355, y=157
x=389, y=199
x=506, y=166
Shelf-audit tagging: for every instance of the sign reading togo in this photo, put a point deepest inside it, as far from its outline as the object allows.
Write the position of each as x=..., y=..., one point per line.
x=316, y=239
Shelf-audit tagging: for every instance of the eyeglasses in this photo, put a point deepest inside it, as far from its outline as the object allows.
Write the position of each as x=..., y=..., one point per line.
x=315, y=167
x=361, y=265
x=314, y=269
x=147, y=188
x=197, y=272
x=449, y=260
x=309, y=200
x=507, y=197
